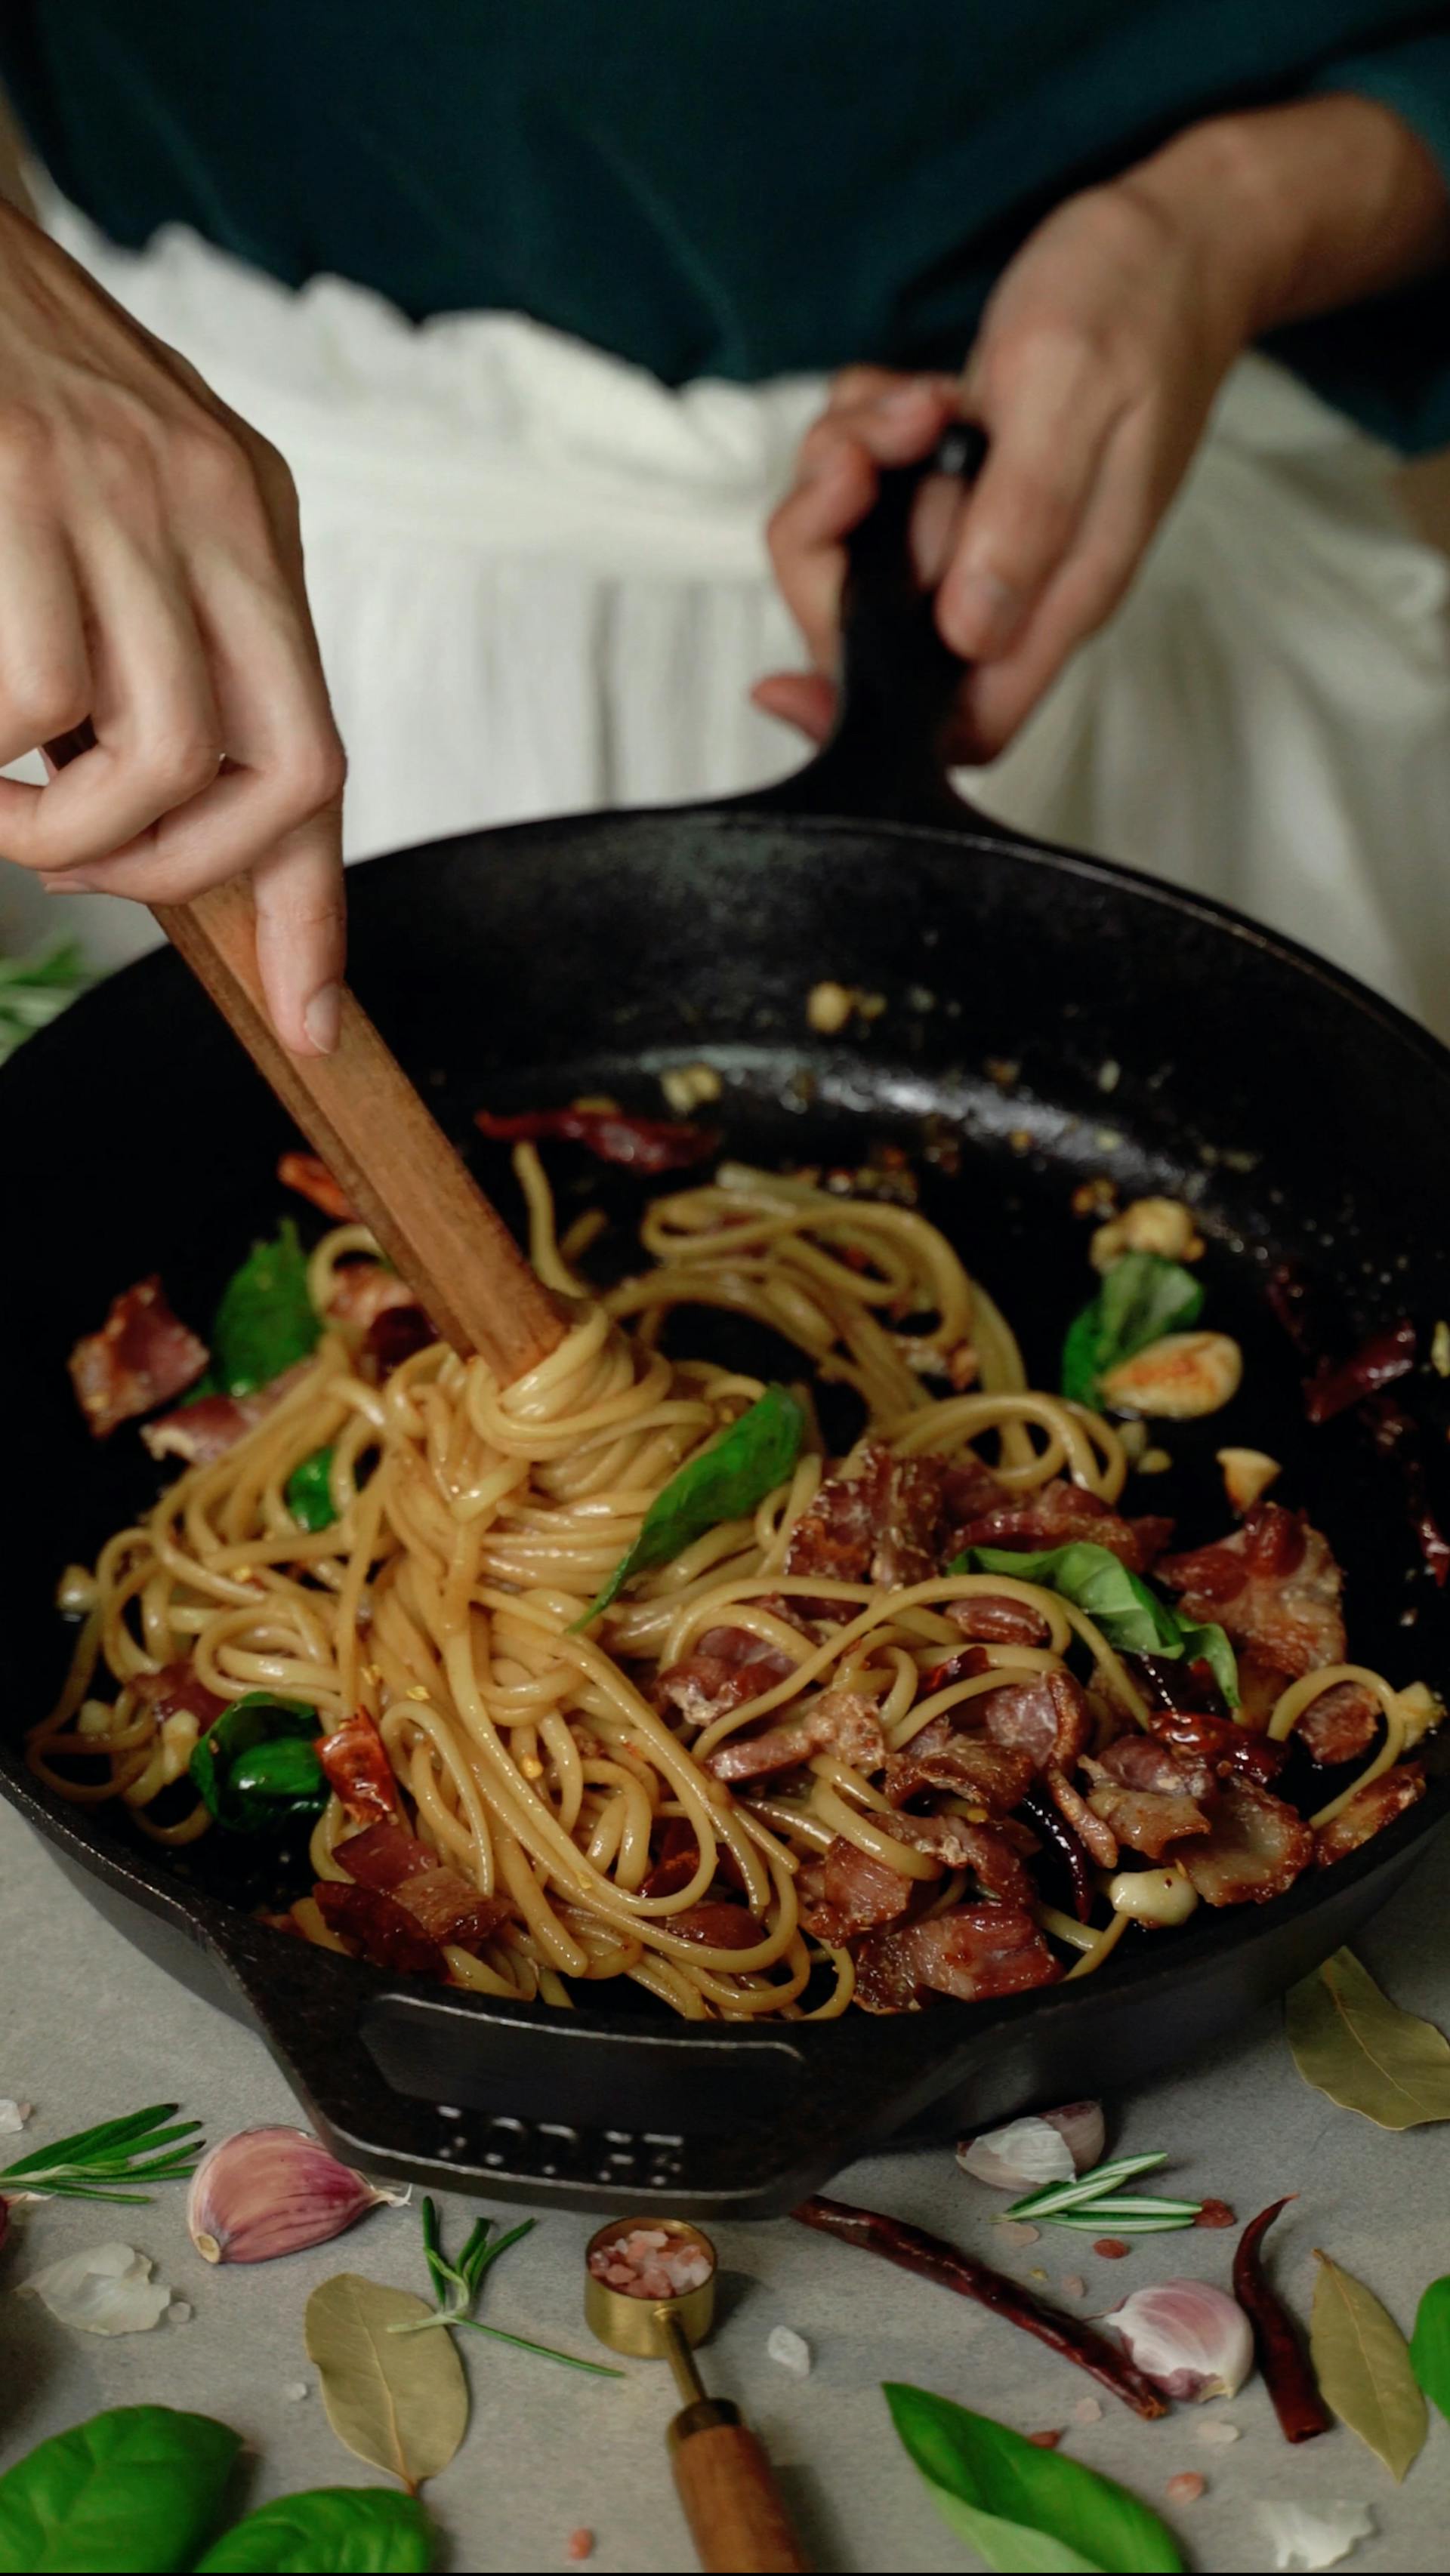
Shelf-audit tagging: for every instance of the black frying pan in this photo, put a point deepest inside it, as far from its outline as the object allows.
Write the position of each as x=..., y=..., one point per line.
x=1154, y=1036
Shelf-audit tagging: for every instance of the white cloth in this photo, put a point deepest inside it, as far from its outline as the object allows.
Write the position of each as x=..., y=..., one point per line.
x=540, y=583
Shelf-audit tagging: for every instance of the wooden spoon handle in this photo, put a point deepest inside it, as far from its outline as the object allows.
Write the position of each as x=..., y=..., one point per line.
x=734, y=2508
x=383, y=1147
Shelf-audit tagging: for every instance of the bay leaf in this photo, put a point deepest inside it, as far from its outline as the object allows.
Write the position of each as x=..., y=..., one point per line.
x=398, y=2401
x=1430, y=2343
x=1362, y=2363
x=1350, y=2041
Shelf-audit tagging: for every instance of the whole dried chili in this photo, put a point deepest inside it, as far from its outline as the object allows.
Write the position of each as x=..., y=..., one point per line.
x=1376, y=1364
x=937, y=2261
x=1287, y=2376
x=641, y=1144
x=1062, y=1838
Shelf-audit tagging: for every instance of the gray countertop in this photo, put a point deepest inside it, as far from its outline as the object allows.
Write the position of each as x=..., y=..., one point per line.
x=89, y=2030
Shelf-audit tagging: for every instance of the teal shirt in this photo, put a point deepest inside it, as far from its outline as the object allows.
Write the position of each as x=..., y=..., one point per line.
x=737, y=188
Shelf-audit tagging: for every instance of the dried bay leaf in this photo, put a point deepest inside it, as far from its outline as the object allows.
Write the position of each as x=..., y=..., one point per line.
x=399, y=2401
x=1362, y=2363
x=1350, y=2041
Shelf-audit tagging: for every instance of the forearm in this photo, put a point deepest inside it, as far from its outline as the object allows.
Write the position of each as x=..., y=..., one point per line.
x=1304, y=208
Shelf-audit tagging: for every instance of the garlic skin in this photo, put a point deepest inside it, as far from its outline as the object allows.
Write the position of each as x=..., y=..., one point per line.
x=266, y=2192
x=1052, y=2146
x=106, y=2290
x=1192, y=2340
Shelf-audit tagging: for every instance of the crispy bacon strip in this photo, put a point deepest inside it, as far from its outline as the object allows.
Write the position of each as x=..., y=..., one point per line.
x=1060, y=1512
x=1145, y=1762
x=846, y=1892
x=641, y=1144
x=959, y=1844
x=836, y=1538
x=377, y=1928
x=976, y=1953
x=1341, y=1724
x=934, y=2260
x=1229, y=1748
x=1095, y=1834
x=1368, y=1812
x=1275, y=1586
x=996, y=1619
x=356, y=1765
x=1255, y=1848
x=1045, y=1717
x=309, y=1176
x=716, y=1924
x=175, y=1690
x=725, y=1668
x=943, y=1756
x=201, y=1432
x=141, y=1357
x=1148, y=1820
x=444, y=1904
x=840, y=1721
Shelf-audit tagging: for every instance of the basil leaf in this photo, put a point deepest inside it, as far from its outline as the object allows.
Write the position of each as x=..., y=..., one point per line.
x=137, y=2488
x=755, y=1455
x=257, y=1767
x=329, y=2531
x=266, y=1321
x=1131, y=1617
x=309, y=1492
x=1021, y=2507
x=1430, y=2344
x=1142, y=1298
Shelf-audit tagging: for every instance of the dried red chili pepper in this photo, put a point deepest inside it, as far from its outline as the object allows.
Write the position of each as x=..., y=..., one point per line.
x=937, y=2261
x=1287, y=2376
x=309, y=1176
x=1376, y=1364
x=1062, y=1837
x=641, y=1144
x=1304, y=1312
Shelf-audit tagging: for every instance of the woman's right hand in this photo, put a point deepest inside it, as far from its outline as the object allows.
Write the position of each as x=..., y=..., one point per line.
x=151, y=582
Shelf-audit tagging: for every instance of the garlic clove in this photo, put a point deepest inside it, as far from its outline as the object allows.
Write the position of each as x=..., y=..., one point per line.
x=104, y=2290
x=265, y=2192
x=1192, y=2340
x=1176, y=1378
x=1052, y=2146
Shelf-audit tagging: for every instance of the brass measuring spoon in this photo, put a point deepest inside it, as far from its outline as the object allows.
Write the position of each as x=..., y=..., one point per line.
x=734, y=2508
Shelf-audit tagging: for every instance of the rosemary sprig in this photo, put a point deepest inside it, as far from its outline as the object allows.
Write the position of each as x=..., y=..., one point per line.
x=87, y=2166
x=456, y=2286
x=1097, y=2199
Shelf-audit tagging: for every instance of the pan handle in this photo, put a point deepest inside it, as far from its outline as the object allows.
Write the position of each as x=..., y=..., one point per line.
x=514, y=2102
x=899, y=680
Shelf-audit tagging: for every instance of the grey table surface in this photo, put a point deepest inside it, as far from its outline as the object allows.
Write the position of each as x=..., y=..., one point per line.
x=88, y=2029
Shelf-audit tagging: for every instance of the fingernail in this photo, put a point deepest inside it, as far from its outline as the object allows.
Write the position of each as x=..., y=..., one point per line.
x=978, y=612
x=322, y=1018
x=912, y=397
x=68, y=884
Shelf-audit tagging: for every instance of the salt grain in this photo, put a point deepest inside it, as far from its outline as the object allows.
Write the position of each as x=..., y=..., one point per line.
x=1074, y=2286
x=790, y=2349
x=13, y=2116
x=294, y=2390
x=1016, y=2231
x=1186, y=2488
x=1087, y=2411
x=179, y=2313
x=650, y=2264
x=1215, y=2429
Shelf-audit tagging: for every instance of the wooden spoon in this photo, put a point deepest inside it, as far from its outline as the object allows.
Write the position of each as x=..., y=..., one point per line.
x=384, y=1148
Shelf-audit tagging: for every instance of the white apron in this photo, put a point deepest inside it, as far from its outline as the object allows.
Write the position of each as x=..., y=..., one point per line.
x=540, y=583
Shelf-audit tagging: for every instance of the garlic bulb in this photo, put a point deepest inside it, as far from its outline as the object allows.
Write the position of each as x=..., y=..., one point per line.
x=1050, y=2147
x=273, y=2191
x=1189, y=2338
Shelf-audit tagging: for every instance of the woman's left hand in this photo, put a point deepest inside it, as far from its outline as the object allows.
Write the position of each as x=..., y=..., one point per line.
x=1093, y=374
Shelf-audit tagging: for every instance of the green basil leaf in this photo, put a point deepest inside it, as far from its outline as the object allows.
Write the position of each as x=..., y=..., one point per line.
x=1141, y=1298
x=266, y=1321
x=257, y=1768
x=138, y=2488
x=1021, y=2507
x=329, y=2531
x=1131, y=1617
x=755, y=1455
x=1430, y=2344
x=309, y=1492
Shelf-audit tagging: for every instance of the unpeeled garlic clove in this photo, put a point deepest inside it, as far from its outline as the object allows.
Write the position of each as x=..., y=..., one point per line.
x=1190, y=2339
x=273, y=2191
x=1049, y=2147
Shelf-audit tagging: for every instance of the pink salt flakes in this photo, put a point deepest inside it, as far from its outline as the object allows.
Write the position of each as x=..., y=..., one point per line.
x=1087, y=2411
x=1186, y=2488
x=1016, y=2231
x=1074, y=2286
x=580, y=2544
x=650, y=2264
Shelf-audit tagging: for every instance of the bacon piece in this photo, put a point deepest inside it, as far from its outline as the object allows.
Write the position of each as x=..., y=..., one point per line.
x=641, y=1144
x=141, y=1357
x=847, y=1892
x=445, y=1905
x=959, y=1844
x=1144, y=1762
x=1095, y=1834
x=1229, y=1748
x=355, y=1762
x=725, y=1668
x=840, y=1721
x=997, y=1619
x=1255, y=1848
x=976, y=1952
x=175, y=1690
x=676, y=1862
x=837, y=1536
x=968, y=1490
x=1340, y=1724
x=1046, y=1717
x=377, y=1928
x=1060, y=1512
x=309, y=1176
x=393, y=1337
x=905, y=1550
x=1147, y=1820
x=204, y=1431
x=717, y=1924
x=1369, y=1811
x=942, y=1756
x=363, y=1290
x=1274, y=1585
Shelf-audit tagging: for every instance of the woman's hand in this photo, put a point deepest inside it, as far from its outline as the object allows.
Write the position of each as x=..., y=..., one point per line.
x=1094, y=371
x=151, y=581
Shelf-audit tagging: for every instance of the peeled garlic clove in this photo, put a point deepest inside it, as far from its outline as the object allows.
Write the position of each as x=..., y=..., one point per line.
x=1050, y=2147
x=106, y=2290
x=1190, y=2339
x=273, y=2191
x=1177, y=1377
x=1247, y=1474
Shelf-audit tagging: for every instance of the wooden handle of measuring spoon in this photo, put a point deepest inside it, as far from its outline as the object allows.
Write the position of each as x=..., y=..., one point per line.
x=734, y=2508
x=382, y=1146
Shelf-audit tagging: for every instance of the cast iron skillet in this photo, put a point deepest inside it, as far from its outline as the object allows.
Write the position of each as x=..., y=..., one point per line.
x=1050, y=1014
